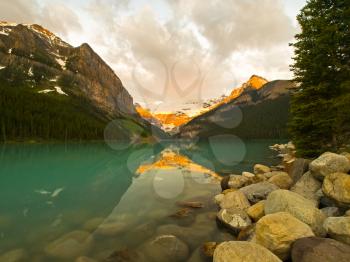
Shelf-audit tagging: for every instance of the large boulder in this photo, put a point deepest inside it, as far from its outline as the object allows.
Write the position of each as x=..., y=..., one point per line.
x=298, y=206
x=257, y=211
x=235, y=219
x=336, y=186
x=278, y=231
x=307, y=186
x=315, y=249
x=235, y=199
x=240, y=251
x=71, y=245
x=329, y=163
x=257, y=192
x=261, y=169
x=338, y=228
x=165, y=248
x=282, y=180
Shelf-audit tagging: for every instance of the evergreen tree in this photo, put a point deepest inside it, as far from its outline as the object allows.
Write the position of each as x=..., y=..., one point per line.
x=321, y=107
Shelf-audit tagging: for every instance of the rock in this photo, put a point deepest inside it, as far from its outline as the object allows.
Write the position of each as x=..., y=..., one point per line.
x=268, y=175
x=282, y=180
x=256, y=211
x=235, y=199
x=278, y=231
x=234, y=218
x=307, y=186
x=85, y=259
x=218, y=198
x=224, y=182
x=126, y=255
x=112, y=228
x=15, y=255
x=248, y=174
x=338, y=228
x=331, y=211
x=208, y=248
x=191, y=204
x=298, y=206
x=257, y=192
x=337, y=187
x=258, y=178
x=240, y=251
x=226, y=191
x=247, y=233
x=70, y=246
x=299, y=167
x=183, y=212
x=261, y=169
x=347, y=213
x=237, y=182
x=329, y=163
x=165, y=248
x=93, y=223
x=314, y=249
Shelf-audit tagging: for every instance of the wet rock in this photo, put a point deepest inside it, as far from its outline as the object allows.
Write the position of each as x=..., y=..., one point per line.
x=257, y=211
x=208, y=248
x=143, y=231
x=237, y=182
x=299, y=167
x=190, y=204
x=165, y=248
x=278, y=231
x=70, y=246
x=235, y=219
x=238, y=251
x=298, y=206
x=329, y=163
x=235, y=199
x=307, y=186
x=336, y=186
x=257, y=192
x=218, y=198
x=183, y=212
x=282, y=180
x=338, y=228
x=261, y=169
x=314, y=249
x=248, y=174
x=331, y=211
x=15, y=255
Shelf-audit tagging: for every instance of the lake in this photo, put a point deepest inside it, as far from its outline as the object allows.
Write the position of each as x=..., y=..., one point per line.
x=62, y=201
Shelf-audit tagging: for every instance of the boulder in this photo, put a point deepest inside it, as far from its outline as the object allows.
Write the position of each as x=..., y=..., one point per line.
x=235, y=219
x=314, y=249
x=282, y=180
x=237, y=182
x=238, y=251
x=278, y=231
x=257, y=211
x=15, y=255
x=261, y=169
x=71, y=245
x=235, y=199
x=299, y=167
x=329, y=163
x=165, y=248
x=338, y=228
x=307, y=186
x=331, y=211
x=218, y=198
x=298, y=206
x=257, y=192
x=336, y=186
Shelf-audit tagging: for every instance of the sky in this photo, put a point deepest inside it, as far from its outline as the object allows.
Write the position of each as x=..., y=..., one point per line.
x=172, y=52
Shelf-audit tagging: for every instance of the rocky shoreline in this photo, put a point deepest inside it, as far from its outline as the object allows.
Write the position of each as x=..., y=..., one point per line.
x=299, y=211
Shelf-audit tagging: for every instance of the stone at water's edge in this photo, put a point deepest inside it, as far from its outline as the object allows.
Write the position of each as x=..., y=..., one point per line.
x=337, y=187
x=257, y=211
x=329, y=163
x=235, y=199
x=236, y=182
x=261, y=169
x=259, y=191
x=314, y=249
x=298, y=206
x=338, y=228
x=240, y=251
x=282, y=180
x=307, y=186
x=278, y=231
x=234, y=219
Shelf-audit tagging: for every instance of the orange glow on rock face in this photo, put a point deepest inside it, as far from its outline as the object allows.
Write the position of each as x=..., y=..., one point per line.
x=172, y=119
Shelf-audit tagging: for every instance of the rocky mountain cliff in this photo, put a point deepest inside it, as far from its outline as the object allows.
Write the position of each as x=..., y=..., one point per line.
x=48, y=69
x=259, y=109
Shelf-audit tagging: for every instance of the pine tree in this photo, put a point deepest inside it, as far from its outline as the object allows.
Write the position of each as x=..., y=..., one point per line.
x=320, y=109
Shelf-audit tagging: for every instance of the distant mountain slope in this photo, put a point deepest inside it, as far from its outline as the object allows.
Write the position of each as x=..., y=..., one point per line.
x=52, y=90
x=255, y=113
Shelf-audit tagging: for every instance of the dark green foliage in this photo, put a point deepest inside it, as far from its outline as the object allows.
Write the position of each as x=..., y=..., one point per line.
x=321, y=108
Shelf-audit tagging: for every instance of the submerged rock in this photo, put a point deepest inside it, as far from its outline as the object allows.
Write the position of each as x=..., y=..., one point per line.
x=191, y=204
x=238, y=251
x=235, y=199
x=298, y=206
x=15, y=255
x=314, y=249
x=261, y=169
x=338, y=228
x=307, y=186
x=126, y=255
x=278, y=231
x=234, y=218
x=70, y=246
x=257, y=192
x=336, y=186
x=329, y=163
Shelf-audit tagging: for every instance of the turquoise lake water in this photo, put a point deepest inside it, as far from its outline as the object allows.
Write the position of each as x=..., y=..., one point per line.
x=62, y=201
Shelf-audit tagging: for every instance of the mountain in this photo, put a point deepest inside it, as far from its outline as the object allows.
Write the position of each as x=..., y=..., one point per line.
x=259, y=109
x=52, y=90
